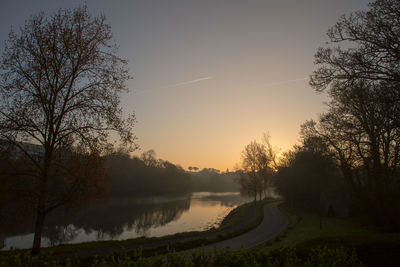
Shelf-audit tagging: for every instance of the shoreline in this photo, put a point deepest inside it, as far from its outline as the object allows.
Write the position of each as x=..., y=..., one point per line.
x=238, y=221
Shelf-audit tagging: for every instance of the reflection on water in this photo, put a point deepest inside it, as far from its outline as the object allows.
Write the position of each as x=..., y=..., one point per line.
x=125, y=218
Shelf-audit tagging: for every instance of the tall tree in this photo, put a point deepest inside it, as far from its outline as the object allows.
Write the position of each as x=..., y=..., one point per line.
x=255, y=168
x=361, y=73
x=60, y=85
x=359, y=129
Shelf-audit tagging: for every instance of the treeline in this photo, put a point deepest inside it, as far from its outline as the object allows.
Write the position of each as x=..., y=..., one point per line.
x=144, y=175
x=116, y=174
x=147, y=175
x=212, y=180
x=306, y=176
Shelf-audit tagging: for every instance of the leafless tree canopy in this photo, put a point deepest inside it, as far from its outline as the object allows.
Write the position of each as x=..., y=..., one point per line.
x=363, y=46
x=60, y=83
x=257, y=165
x=61, y=80
x=361, y=74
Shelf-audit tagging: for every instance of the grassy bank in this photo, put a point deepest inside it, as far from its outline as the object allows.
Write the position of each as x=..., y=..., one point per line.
x=308, y=230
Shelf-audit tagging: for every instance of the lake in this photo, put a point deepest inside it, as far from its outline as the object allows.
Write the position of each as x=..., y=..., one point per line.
x=124, y=218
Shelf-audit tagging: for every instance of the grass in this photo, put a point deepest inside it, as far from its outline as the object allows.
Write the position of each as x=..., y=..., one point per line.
x=307, y=230
x=235, y=216
x=223, y=257
x=312, y=226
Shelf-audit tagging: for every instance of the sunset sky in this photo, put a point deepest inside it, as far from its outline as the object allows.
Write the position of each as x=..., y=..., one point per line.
x=210, y=76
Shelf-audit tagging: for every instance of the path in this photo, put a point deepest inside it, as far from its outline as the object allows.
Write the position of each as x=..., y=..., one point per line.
x=274, y=222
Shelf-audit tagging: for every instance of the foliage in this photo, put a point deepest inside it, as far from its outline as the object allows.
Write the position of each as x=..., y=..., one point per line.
x=224, y=257
x=334, y=257
x=307, y=174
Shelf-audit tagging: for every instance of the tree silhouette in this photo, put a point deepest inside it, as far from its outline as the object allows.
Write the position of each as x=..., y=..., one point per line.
x=308, y=171
x=255, y=163
x=370, y=48
x=60, y=86
x=361, y=74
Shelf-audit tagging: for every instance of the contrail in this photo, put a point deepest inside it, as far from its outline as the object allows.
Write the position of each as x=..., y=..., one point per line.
x=174, y=85
x=288, y=81
x=187, y=82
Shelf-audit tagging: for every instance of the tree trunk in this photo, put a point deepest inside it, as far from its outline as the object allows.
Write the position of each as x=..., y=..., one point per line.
x=41, y=212
x=38, y=232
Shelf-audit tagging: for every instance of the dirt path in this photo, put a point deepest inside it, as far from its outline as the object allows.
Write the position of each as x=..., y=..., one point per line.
x=274, y=222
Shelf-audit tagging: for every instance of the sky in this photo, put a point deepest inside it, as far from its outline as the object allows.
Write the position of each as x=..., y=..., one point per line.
x=210, y=76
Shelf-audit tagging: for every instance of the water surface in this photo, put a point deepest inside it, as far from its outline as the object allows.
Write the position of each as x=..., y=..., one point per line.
x=124, y=218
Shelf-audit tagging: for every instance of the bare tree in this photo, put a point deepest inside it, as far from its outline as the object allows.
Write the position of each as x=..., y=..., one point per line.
x=60, y=86
x=270, y=162
x=149, y=158
x=358, y=127
x=371, y=48
x=255, y=169
x=360, y=71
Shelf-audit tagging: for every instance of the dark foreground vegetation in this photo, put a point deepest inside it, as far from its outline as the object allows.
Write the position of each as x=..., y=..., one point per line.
x=224, y=257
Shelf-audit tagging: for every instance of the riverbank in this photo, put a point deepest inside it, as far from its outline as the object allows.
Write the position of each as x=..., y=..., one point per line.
x=308, y=240
x=238, y=221
x=256, y=256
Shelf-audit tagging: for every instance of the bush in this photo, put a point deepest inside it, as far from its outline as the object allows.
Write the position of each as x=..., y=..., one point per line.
x=223, y=257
